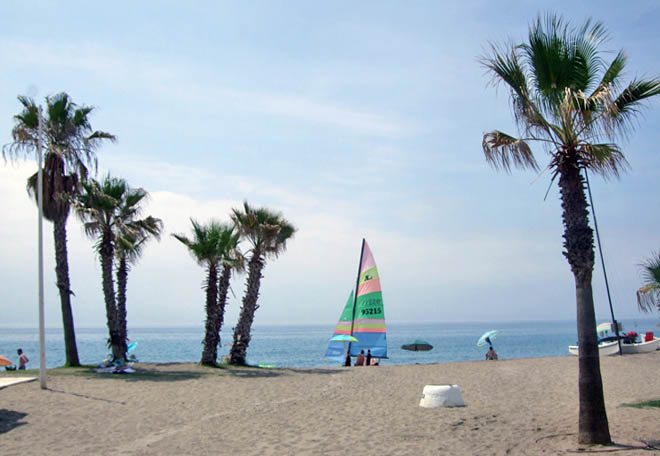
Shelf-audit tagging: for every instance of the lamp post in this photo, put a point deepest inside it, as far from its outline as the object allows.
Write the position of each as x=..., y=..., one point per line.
x=40, y=200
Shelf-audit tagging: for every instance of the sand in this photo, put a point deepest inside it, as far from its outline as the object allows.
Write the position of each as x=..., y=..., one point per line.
x=525, y=406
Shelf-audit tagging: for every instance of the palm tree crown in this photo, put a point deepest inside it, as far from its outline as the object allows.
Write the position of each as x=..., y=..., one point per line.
x=209, y=243
x=566, y=96
x=70, y=144
x=266, y=231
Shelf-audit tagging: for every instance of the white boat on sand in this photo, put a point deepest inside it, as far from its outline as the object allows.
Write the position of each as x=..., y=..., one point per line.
x=610, y=348
x=642, y=347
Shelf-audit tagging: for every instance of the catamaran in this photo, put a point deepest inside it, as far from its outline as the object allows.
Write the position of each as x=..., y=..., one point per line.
x=363, y=316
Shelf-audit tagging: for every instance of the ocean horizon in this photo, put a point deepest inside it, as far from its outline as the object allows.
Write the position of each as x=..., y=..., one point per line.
x=304, y=346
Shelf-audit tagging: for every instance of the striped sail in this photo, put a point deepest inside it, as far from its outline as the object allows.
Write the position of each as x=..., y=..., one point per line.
x=364, y=316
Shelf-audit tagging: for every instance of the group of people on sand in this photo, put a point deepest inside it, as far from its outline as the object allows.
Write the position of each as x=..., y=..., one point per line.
x=22, y=361
x=361, y=359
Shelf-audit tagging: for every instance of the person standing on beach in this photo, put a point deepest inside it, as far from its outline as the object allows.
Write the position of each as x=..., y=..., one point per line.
x=22, y=359
x=368, y=363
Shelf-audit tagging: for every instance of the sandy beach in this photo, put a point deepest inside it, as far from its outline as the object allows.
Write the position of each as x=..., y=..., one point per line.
x=524, y=406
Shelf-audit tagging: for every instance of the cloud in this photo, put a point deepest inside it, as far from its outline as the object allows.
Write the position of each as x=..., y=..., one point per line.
x=195, y=86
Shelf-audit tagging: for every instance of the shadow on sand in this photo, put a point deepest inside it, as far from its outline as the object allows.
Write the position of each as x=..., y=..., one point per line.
x=174, y=372
x=10, y=419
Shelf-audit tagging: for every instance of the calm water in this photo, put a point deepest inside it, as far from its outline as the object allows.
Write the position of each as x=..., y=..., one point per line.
x=305, y=346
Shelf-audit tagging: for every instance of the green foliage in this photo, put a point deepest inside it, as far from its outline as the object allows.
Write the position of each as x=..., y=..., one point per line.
x=654, y=403
x=648, y=297
x=266, y=231
x=212, y=243
x=565, y=96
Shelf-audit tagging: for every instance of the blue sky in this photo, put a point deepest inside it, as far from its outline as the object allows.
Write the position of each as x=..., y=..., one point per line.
x=354, y=119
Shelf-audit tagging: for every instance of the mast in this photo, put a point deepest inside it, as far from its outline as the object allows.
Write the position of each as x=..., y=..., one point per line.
x=357, y=283
x=602, y=261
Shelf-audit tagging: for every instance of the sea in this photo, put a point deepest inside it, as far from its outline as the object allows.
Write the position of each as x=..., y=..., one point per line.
x=304, y=346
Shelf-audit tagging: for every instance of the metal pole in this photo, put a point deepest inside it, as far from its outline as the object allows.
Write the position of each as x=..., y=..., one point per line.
x=602, y=262
x=40, y=198
x=357, y=284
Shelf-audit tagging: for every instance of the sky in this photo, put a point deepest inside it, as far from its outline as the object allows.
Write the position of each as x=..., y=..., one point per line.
x=354, y=120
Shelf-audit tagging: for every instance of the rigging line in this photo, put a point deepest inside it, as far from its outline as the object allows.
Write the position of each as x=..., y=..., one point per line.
x=602, y=261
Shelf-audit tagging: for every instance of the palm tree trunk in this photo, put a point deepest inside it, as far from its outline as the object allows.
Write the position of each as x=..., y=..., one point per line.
x=242, y=331
x=122, y=279
x=64, y=287
x=107, y=254
x=593, y=427
x=212, y=337
x=223, y=288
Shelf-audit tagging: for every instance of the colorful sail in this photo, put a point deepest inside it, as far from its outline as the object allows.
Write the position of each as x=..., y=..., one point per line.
x=363, y=316
x=337, y=350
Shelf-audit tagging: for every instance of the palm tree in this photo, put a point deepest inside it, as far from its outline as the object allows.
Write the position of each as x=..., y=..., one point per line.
x=648, y=296
x=71, y=146
x=267, y=233
x=567, y=97
x=130, y=242
x=211, y=245
x=109, y=211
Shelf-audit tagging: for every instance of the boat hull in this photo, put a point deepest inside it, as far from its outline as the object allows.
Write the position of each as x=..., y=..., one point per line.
x=609, y=349
x=644, y=347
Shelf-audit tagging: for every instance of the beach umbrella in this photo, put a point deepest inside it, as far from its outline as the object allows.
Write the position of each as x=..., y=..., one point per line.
x=605, y=327
x=345, y=338
x=417, y=345
x=4, y=361
x=487, y=337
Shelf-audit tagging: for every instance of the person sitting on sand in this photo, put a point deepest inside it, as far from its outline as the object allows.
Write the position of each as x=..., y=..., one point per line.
x=22, y=359
x=490, y=354
x=359, y=361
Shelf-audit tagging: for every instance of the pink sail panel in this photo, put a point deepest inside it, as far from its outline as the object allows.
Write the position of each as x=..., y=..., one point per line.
x=367, y=259
x=370, y=286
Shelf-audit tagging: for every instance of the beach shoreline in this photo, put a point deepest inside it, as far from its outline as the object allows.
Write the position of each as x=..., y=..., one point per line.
x=519, y=406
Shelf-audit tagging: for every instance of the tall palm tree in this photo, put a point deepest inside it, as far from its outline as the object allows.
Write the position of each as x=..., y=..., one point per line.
x=648, y=296
x=567, y=97
x=267, y=233
x=109, y=211
x=71, y=146
x=213, y=245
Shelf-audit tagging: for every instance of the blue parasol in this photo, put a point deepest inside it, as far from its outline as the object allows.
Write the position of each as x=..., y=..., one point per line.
x=487, y=337
x=345, y=338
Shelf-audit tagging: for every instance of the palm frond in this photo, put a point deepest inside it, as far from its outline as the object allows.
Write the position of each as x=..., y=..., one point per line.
x=613, y=73
x=605, y=159
x=502, y=151
x=648, y=296
x=629, y=103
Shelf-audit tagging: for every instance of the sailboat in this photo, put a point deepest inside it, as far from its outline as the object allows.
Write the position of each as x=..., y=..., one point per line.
x=363, y=316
